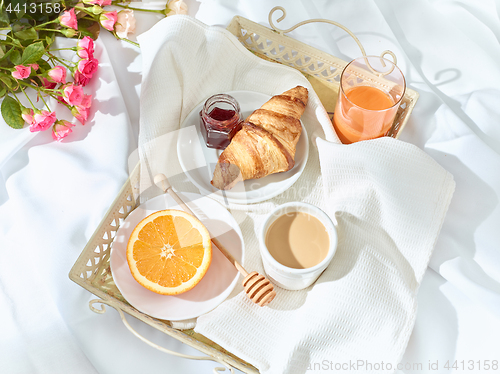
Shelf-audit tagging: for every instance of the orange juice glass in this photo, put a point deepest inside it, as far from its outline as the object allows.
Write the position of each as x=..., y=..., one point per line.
x=371, y=90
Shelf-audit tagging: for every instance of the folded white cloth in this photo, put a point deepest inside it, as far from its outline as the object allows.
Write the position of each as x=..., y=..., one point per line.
x=388, y=199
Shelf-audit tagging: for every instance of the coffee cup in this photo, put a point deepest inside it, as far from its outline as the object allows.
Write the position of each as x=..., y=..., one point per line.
x=297, y=243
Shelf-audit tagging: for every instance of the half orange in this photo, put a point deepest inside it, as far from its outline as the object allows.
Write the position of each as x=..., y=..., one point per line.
x=169, y=252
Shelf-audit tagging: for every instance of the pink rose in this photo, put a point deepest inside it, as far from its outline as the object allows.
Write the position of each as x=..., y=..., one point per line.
x=21, y=72
x=177, y=7
x=61, y=130
x=81, y=79
x=125, y=23
x=86, y=101
x=68, y=19
x=34, y=66
x=42, y=120
x=80, y=113
x=88, y=66
x=108, y=20
x=48, y=84
x=73, y=94
x=85, y=48
x=57, y=74
x=27, y=115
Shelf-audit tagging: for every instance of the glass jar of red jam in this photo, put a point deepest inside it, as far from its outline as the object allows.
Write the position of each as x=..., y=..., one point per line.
x=220, y=119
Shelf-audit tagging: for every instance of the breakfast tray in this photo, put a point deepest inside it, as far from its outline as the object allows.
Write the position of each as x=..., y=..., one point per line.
x=92, y=268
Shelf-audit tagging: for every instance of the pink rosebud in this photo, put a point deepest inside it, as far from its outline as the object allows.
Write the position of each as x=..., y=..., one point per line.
x=125, y=23
x=57, y=74
x=108, y=20
x=21, y=72
x=80, y=113
x=105, y=2
x=85, y=48
x=87, y=101
x=88, y=67
x=27, y=115
x=73, y=94
x=42, y=120
x=81, y=79
x=48, y=84
x=34, y=66
x=68, y=19
x=61, y=129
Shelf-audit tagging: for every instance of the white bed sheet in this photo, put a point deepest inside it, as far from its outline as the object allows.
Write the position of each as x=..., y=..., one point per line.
x=53, y=195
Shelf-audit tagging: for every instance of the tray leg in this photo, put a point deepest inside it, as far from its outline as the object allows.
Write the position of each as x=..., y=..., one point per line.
x=160, y=348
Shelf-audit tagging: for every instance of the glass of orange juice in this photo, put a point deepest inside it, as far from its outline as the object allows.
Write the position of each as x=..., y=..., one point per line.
x=371, y=89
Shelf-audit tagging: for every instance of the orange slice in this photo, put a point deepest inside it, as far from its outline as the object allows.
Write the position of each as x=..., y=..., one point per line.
x=169, y=252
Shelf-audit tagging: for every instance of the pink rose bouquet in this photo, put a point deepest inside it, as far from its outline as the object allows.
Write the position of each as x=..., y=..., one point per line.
x=33, y=65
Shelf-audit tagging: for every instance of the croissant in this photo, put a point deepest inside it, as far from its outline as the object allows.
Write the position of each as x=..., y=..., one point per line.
x=266, y=142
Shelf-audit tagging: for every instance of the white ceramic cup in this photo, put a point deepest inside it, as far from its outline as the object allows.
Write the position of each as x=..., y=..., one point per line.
x=284, y=276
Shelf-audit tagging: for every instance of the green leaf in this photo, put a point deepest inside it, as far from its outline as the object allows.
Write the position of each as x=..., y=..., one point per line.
x=4, y=18
x=3, y=91
x=44, y=65
x=27, y=34
x=2, y=53
x=15, y=57
x=33, y=53
x=11, y=113
x=9, y=82
x=49, y=39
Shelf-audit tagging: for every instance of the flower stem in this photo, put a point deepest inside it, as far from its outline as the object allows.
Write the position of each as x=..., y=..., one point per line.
x=61, y=102
x=60, y=49
x=83, y=9
x=17, y=99
x=46, y=23
x=138, y=9
x=128, y=40
x=52, y=30
x=52, y=57
x=41, y=97
x=25, y=94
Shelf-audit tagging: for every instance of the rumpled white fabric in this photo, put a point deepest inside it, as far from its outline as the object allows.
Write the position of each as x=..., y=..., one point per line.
x=388, y=199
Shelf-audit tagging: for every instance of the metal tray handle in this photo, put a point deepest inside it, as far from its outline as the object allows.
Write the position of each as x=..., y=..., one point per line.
x=282, y=32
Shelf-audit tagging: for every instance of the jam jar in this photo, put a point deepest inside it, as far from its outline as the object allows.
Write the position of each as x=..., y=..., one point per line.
x=220, y=119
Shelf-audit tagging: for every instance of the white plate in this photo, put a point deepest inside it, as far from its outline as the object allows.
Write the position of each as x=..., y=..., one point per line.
x=198, y=161
x=217, y=283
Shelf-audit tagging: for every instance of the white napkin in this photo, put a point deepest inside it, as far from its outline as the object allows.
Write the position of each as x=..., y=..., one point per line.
x=389, y=200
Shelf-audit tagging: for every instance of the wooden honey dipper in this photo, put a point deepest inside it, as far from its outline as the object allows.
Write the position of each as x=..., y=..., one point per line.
x=257, y=287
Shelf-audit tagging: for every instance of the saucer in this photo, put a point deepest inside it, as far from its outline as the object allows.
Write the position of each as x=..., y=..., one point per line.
x=217, y=283
x=198, y=161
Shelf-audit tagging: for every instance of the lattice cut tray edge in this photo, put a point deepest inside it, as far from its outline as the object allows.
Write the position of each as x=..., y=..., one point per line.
x=92, y=272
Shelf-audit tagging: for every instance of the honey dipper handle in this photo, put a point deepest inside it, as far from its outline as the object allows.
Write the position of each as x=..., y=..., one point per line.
x=162, y=181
